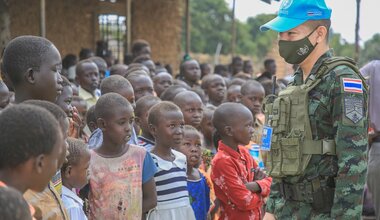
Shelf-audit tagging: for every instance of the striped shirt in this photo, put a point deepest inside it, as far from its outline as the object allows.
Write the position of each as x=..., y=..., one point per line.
x=171, y=181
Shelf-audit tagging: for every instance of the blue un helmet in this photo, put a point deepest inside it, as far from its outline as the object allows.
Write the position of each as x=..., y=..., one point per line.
x=295, y=12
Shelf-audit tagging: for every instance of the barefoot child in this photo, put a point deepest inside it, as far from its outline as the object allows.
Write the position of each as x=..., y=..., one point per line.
x=121, y=174
x=75, y=176
x=166, y=124
x=239, y=185
x=199, y=191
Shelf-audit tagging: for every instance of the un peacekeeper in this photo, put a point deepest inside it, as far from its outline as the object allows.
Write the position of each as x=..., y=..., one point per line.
x=318, y=123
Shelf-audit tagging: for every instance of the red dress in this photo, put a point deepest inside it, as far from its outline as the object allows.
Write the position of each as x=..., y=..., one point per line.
x=230, y=171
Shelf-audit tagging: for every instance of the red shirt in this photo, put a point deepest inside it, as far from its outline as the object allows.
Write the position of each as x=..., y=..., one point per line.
x=230, y=171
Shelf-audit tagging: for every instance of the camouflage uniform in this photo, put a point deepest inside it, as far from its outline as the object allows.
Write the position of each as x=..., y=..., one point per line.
x=328, y=117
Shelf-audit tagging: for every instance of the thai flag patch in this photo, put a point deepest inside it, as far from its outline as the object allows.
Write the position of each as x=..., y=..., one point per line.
x=352, y=85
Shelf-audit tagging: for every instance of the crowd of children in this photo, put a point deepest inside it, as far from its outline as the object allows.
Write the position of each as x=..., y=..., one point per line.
x=90, y=140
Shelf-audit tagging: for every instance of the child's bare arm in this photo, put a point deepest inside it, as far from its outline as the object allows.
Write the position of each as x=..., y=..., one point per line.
x=253, y=187
x=149, y=195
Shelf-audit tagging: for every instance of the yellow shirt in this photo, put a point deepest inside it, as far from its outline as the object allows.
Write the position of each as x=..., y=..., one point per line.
x=47, y=204
x=91, y=99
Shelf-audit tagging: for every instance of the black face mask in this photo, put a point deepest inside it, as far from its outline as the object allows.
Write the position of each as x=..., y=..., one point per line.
x=295, y=52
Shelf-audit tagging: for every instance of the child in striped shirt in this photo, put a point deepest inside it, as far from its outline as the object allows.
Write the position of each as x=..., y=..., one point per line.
x=166, y=124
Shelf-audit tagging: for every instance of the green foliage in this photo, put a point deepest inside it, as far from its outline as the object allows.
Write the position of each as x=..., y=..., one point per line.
x=371, y=50
x=263, y=41
x=211, y=24
x=340, y=46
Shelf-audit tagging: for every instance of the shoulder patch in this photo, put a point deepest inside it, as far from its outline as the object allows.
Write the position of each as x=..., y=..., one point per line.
x=354, y=109
x=352, y=85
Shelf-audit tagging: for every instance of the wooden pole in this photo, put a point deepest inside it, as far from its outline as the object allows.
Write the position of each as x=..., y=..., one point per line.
x=357, y=28
x=128, y=34
x=188, y=24
x=42, y=18
x=233, y=29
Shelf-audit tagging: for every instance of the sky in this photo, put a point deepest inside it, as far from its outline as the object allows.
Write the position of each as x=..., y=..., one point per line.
x=343, y=16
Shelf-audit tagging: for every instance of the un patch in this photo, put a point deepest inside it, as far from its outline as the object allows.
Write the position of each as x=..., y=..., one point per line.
x=353, y=109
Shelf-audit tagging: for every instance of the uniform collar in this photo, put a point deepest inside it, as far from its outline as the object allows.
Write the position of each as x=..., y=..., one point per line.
x=298, y=75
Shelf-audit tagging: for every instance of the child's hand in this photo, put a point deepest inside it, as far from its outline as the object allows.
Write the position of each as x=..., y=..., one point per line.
x=259, y=174
x=253, y=187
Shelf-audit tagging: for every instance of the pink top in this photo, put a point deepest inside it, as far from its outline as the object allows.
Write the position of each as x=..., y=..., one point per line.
x=116, y=185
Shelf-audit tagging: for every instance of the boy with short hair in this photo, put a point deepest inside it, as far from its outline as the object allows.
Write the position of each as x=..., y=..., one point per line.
x=191, y=73
x=143, y=105
x=162, y=81
x=75, y=176
x=215, y=88
x=12, y=205
x=48, y=202
x=121, y=86
x=142, y=84
x=238, y=184
x=87, y=76
x=233, y=93
x=30, y=147
x=191, y=106
x=252, y=96
x=33, y=66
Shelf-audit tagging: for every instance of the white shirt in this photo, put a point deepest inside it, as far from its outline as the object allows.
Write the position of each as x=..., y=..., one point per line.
x=73, y=204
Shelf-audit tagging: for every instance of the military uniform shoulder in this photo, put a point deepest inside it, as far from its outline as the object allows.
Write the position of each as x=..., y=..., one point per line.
x=341, y=67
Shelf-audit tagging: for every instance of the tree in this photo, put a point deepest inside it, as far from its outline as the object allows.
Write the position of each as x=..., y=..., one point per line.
x=210, y=24
x=340, y=46
x=263, y=41
x=371, y=50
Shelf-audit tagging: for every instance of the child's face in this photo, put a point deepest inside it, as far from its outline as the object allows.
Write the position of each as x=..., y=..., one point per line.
x=118, y=127
x=162, y=82
x=169, y=129
x=128, y=94
x=64, y=100
x=192, y=111
x=79, y=173
x=89, y=77
x=5, y=96
x=206, y=125
x=242, y=127
x=151, y=66
x=65, y=151
x=191, y=146
x=142, y=86
x=253, y=100
x=233, y=94
x=48, y=80
x=216, y=90
x=102, y=67
x=192, y=71
x=47, y=166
